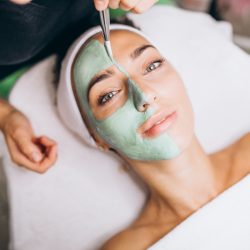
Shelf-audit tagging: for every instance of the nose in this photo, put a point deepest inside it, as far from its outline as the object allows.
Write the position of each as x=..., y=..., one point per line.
x=142, y=99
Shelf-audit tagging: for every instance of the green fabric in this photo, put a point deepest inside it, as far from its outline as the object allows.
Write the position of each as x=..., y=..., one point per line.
x=118, y=12
x=8, y=82
x=166, y=1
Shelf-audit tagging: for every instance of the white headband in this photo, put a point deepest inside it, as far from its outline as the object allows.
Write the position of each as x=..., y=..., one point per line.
x=66, y=102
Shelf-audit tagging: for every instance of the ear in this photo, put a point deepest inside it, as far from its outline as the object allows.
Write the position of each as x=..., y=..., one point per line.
x=101, y=144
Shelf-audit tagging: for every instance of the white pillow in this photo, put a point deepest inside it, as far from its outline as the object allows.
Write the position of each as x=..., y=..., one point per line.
x=86, y=197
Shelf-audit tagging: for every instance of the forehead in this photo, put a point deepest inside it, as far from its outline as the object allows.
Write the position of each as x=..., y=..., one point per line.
x=92, y=58
x=123, y=40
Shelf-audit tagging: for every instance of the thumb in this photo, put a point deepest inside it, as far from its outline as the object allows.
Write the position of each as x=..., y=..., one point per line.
x=29, y=148
x=101, y=4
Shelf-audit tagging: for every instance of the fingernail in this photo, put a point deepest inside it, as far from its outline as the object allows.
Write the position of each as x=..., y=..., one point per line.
x=36, y=157
x=101, y=4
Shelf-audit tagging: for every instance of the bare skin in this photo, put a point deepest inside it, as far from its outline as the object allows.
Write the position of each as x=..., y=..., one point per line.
x=36, y=153
x=230, y=165
x=127, y=5
x=179, y=186
x=27, y=150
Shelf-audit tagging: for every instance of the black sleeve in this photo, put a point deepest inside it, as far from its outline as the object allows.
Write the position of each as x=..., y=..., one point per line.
x=30, y=32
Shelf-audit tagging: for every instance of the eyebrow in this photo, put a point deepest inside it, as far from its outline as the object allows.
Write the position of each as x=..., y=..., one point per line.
x=137, y=52
x=100, y=77
x=108, y=73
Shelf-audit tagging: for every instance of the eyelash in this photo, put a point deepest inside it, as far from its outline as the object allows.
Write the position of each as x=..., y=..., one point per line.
x=159, y=61
x=108, y=96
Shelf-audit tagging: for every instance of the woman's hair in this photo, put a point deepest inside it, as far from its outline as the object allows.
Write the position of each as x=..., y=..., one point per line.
x=60, y=55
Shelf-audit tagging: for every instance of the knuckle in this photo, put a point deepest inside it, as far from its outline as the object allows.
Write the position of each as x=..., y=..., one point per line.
x=127, y=4
x=41, y=170
x=17, y=162
x=113, y=4
x=28, y=149
x=18, y=133
x=139, y=9
x=15, y=159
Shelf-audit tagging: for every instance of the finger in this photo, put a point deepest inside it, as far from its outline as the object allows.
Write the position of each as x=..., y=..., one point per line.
x=50, y=158
x=27, y=147
x=128, y=4
x=20, y=159
x=101, y=4
x=45, y=141
x=50, y=151
x=143, y=6
x=20, y=1
x=114, y=4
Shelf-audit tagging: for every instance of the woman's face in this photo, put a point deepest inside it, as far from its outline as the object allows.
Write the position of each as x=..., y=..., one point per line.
x=136, y=105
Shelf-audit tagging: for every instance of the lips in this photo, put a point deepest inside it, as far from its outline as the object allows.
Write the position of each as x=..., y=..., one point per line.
x=157, y=124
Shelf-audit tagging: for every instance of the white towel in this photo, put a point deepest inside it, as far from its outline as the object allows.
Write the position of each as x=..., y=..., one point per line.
x=222, y=224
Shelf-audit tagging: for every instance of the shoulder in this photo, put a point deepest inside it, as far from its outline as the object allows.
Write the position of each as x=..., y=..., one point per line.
x=233, y=162
x=132, y=239
x=242, y=154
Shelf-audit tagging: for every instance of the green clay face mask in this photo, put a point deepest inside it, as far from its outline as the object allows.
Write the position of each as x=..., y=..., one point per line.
x=119, y=130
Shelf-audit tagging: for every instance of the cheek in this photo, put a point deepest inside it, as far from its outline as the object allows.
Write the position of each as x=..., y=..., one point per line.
x=170, y=88
x=173, y=94
x=183, y=132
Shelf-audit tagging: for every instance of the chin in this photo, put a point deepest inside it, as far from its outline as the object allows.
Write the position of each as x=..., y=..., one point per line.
x=183, y=135
x=184, y=141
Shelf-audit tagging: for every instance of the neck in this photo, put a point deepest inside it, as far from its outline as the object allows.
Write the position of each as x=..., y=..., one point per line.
x=181, y=185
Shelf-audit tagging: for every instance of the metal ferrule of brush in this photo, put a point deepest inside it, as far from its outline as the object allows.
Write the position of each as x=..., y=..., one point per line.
x=105, y=22
x=104, y=17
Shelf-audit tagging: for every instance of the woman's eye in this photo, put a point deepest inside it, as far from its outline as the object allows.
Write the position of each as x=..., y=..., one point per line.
x=106, y=98
x=154, y=65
